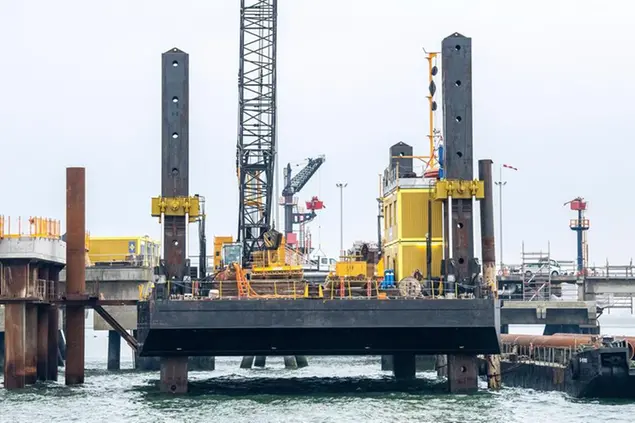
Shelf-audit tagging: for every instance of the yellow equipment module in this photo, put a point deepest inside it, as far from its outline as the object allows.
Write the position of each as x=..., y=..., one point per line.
x=219, y=241
x=405, y=230
x=135, y=250
x=282, y=262
x=349, y=267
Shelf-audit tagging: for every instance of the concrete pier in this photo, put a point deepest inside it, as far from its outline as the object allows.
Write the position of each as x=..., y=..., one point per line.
x=462, y=373
x=27, y=264
x=174, y=375
x=404, y=367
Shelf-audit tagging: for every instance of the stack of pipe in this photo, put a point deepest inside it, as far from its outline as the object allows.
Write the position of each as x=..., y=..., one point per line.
x=564, y=340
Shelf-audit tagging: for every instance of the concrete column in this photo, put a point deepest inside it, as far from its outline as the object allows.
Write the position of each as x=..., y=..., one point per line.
x=302, y=361
x=290, y=362
x=423, y=363
x=260, y=361
x=462, y=374
x=441, y=365
x=114, y=350
x=30, y=351
x=2, y=349
x=15, y=344
x=75, y=272
x=53, y=344
x=61, y=339
x=386, y=363
x=247, y=362
x=15, y=325
x=53, y=328
x=42, y=342
x=205, y=363
x=174, y=375
x=404, y=366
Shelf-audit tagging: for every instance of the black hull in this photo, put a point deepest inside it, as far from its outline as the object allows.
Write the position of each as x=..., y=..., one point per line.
x=601, y=373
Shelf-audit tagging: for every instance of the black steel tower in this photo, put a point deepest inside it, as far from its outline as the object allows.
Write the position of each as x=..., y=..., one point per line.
x=257, y=121
x=175, y=159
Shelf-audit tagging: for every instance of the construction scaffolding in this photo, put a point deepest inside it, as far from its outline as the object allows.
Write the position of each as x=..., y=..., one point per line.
x=538, y=271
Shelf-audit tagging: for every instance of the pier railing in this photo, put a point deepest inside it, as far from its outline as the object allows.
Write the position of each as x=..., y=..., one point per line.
x=330, y=289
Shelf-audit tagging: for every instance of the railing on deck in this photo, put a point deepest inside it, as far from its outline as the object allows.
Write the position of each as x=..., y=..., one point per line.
x=133, y=260
x=330, y=289
x=33, y=227
x=615, y=301
x=569, y=269
x=38, y=289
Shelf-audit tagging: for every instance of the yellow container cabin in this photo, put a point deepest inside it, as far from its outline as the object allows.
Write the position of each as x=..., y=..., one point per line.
x=133, y=251
x=404, y=196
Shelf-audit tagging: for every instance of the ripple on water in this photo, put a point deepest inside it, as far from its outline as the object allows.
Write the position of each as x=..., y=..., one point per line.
x=331, y=389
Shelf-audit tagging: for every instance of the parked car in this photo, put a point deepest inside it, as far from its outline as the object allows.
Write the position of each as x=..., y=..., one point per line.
x=543, y=267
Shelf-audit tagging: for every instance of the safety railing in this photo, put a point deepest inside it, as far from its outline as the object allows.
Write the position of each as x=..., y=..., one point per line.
x=614, y=301
x=331, y=289
x=40, y=289
x=568, y=269
x=118, y=259
x=33, y=227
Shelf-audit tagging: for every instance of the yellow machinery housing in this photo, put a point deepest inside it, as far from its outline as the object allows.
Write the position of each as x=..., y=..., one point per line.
x=219, y=241
x=405, y=230
x=135, y=250
x=351, y=267
x=282, y=262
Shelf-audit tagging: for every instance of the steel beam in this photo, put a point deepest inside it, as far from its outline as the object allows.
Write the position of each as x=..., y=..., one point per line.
x=175, y=183
x=456, y=54
x=175, y=157
x=457, y=124
x=75, y=272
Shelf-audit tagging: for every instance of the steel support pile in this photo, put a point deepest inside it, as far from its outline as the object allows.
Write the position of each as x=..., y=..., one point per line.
x=462, y=370
x=75, y=272
x=488, y=249
x=175, y=184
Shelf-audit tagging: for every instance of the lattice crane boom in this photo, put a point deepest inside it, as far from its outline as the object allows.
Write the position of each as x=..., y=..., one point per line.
x=296, y=183
x=257, y=121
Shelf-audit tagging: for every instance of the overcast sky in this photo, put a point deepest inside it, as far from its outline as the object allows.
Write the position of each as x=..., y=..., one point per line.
x=553, y=96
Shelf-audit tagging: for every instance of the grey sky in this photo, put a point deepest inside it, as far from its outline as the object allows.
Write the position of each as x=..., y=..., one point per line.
x=552, y=96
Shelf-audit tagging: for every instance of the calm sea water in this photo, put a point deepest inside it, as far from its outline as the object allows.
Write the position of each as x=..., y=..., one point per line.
x=331, y=389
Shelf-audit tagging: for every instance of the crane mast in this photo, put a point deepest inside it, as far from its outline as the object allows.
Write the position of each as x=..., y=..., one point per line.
x=255, y=157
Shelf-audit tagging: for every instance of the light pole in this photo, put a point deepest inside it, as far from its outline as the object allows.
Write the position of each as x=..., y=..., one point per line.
x=500, y=183
x=341, y=186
